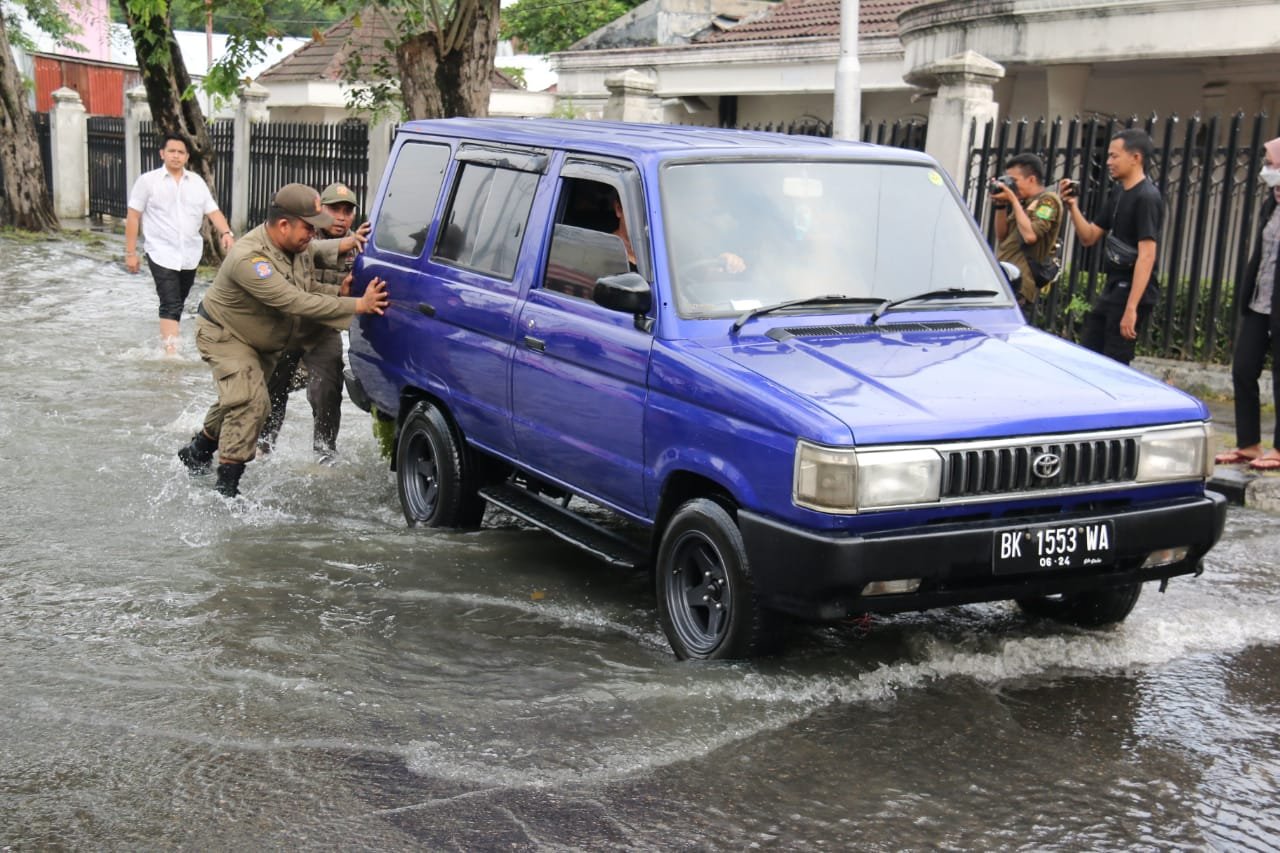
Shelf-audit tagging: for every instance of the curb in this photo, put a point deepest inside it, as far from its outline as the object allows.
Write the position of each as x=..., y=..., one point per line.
x=1245, y=488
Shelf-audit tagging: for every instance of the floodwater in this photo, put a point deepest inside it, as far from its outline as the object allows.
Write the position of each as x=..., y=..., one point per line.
x=298, y=670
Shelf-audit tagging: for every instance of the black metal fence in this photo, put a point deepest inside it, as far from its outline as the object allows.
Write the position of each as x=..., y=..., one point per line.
x=312, y=154
x=1207, y=171
x=108, y=194
x=44, y=137
x=901, y=133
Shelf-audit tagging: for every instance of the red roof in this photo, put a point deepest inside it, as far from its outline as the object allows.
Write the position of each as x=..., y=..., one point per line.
x=794, y=19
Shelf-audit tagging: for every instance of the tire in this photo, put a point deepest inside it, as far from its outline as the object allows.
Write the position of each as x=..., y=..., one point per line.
x=707, y=602
x=433, y=473
x=1095, y=608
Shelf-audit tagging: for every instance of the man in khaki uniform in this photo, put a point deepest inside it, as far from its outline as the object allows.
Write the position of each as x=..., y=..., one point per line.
x=1028, y=222
x=251, y=314
x=321, y=358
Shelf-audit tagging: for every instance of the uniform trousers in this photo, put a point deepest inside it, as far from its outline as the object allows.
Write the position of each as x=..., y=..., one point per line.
x=1255, y=340
x=321, y=354
x=240, y=374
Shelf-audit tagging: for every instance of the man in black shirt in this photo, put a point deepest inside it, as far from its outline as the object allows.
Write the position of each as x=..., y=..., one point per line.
x=1130, y=221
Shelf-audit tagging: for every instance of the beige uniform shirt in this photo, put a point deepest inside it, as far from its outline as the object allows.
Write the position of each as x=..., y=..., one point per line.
x=1045, y=212
x=343, y=263
x=260, y=292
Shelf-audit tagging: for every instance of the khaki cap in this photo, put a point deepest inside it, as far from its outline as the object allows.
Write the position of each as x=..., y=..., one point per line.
x=303, y=202
x=338, y=193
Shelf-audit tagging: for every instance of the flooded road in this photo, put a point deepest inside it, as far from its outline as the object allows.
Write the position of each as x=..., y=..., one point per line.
x=297, y=670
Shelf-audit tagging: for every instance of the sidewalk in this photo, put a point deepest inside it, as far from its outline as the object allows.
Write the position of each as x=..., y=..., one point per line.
x=1212, y=383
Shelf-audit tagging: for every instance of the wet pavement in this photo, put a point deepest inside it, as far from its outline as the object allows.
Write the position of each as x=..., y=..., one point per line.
x=298, y=670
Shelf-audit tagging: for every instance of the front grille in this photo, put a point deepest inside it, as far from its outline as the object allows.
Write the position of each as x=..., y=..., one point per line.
x=1011, y=469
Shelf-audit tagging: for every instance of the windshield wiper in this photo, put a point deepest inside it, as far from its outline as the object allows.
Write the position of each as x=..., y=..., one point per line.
x=945, y=293
x=830, y=298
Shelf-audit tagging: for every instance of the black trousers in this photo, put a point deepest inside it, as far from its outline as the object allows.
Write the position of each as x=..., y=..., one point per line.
x=1254, y=341
x=322, y=356
x=1101, y=332
x=172, y=286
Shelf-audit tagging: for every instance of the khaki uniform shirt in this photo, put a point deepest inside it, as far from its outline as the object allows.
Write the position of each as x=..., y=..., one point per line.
x=343, y=263
x=261, y=292
x=1045, y=212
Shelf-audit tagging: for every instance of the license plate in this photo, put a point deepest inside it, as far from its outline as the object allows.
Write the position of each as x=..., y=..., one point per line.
x=1050, y=547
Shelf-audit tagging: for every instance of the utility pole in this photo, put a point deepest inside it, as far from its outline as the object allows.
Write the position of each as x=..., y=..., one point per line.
x=847, y=113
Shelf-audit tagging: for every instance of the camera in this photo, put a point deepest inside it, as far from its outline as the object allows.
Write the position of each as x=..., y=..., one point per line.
x=1070, y=188
x=1008, y=181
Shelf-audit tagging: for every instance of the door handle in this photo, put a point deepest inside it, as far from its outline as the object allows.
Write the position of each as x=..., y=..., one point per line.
x=535, y=343
x=427, y=308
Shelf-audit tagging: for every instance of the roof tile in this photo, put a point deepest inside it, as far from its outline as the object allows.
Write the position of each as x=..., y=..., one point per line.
x=814, y=19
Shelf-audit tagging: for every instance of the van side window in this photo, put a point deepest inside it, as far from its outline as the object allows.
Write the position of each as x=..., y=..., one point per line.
x=585, y=243
x=410, y=200
x=487, y=218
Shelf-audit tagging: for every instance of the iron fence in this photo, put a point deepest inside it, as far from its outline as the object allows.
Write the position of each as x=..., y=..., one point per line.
x=108, y=194
x=44, y=137
x=312, y=154
x=1206, y=170
x=900, y=133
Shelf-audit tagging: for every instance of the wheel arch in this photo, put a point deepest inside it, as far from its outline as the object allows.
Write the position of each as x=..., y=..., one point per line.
x=681, y=487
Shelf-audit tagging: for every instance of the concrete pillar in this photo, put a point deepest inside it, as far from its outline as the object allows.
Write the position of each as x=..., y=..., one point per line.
x=136, y=111
x=1065, y=89
x=379, y=155
x=251, y=109
x=69, y=143
x=964, y=95
x=1214, y=99
x=631, y=97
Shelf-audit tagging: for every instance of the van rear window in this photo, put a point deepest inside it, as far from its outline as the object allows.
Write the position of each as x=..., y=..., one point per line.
x=410, y=201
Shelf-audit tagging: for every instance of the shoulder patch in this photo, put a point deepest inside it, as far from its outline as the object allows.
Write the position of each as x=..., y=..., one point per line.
x=262, y=267
x=1045, y=211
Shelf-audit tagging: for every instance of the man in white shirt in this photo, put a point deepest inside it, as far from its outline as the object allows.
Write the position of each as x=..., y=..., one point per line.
x=171, y=203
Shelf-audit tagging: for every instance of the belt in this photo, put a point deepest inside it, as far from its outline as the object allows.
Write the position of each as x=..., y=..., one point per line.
x=205, y=314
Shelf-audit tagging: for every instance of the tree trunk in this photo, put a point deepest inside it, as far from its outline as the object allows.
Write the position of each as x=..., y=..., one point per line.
x=450, y=74
x=165, y=77
x=25, y=200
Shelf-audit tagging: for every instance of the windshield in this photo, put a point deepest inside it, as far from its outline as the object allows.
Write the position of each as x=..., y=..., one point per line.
x=745, y=234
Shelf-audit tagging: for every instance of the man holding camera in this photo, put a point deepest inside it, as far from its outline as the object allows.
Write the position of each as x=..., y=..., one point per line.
x=1028, y=220
x=1130, y=221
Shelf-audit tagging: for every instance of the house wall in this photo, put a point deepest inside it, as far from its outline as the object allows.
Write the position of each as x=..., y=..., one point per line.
x=1121, y=57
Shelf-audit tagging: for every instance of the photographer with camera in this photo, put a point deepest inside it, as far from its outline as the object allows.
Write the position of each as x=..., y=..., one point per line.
x=1036, y=213
x=1130, y=221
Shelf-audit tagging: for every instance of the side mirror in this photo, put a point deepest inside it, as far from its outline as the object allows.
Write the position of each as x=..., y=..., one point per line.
x=1011, y=272
x=627, y=292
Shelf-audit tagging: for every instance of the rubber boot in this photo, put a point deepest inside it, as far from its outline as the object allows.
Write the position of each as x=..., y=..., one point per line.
x=229, y=474
x=198, y=454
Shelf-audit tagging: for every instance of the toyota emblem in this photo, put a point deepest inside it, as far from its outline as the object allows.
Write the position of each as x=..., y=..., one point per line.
x=1047, y=465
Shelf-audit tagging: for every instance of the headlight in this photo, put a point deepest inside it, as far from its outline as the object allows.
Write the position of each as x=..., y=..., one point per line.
x=834, y=480
x=1175, y=454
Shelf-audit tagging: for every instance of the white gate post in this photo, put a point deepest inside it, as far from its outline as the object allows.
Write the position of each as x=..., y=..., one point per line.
x=379, y=153
x=136, y=111
x=965, y=94
x=69, y=144
x=252, y=108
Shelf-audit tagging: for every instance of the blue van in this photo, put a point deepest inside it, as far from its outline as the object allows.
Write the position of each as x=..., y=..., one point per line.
x=784, y=374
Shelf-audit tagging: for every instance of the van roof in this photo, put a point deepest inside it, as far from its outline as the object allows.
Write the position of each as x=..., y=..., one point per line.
x=660, y=140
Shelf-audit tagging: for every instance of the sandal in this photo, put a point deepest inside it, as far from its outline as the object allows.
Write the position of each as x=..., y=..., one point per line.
x=1268, y=462
x=1233, y=457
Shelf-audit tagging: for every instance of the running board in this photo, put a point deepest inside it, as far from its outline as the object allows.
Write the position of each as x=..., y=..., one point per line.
x=566, y=525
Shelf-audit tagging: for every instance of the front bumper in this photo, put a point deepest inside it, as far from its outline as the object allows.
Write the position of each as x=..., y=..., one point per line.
x=821, y=576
